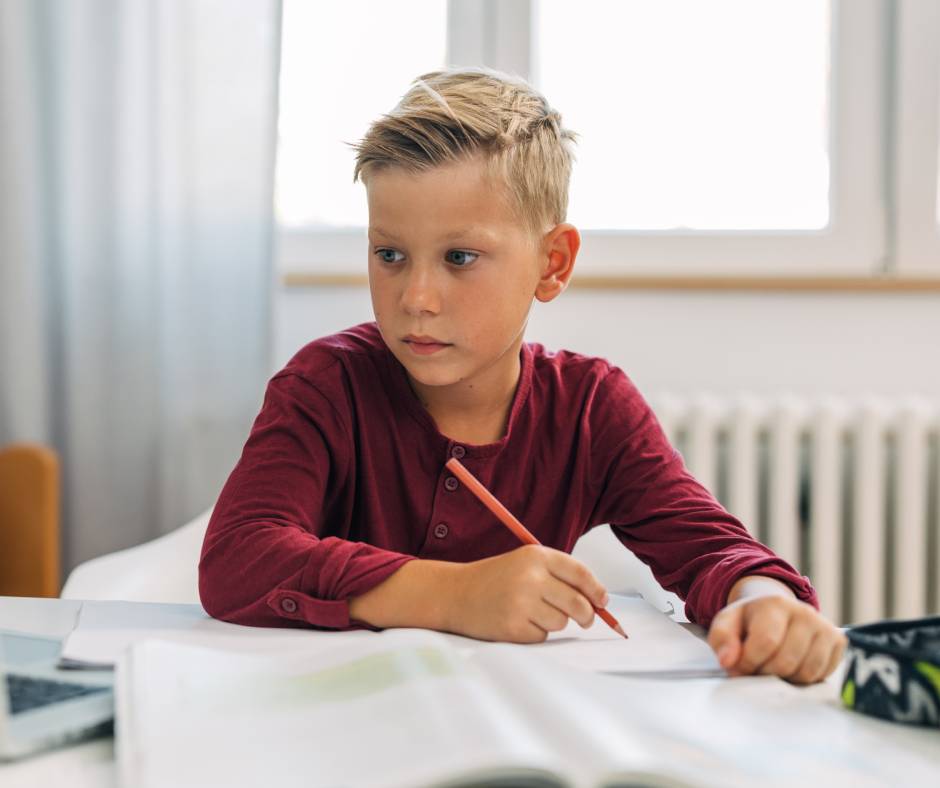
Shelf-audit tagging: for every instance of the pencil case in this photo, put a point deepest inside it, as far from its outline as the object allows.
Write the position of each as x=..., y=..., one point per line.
x=893, y=671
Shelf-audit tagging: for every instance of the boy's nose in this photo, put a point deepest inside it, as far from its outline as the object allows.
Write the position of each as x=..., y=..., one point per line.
x=420, y=294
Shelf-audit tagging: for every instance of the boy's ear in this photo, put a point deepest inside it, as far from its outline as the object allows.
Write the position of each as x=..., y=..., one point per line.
x=558, y=252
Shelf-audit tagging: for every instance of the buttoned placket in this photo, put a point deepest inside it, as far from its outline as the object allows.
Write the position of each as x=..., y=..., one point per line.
x=447, y=504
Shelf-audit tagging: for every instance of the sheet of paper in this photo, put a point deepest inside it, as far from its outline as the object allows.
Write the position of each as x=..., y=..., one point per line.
x=104, y=629
x=656, y=646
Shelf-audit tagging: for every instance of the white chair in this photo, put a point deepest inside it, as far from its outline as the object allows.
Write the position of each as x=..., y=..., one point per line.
x=161, y=570
x=620, y=571
x=165, y=569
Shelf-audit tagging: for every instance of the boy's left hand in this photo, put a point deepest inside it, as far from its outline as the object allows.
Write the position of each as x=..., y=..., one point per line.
x=767, y=630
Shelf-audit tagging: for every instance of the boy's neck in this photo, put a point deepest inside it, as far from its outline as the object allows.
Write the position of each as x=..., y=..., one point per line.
x=474, y=412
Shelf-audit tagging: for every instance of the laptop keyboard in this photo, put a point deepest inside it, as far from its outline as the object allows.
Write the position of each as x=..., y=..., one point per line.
x=29, y=692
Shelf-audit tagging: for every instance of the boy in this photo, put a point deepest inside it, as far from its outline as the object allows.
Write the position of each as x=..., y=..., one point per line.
x=341, y=513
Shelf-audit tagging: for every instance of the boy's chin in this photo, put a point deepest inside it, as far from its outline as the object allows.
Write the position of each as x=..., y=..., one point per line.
x=426, y=376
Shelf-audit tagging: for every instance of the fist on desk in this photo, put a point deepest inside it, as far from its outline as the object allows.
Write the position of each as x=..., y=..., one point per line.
x=766, y=630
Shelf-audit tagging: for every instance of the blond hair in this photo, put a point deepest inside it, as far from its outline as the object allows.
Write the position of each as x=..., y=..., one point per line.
x=447, y=116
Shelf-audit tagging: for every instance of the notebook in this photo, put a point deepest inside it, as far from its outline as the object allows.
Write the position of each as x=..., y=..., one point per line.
x=42, y=707
x=405, y=708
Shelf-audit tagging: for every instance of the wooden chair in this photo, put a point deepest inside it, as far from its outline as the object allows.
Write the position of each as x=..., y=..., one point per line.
x=29, y=521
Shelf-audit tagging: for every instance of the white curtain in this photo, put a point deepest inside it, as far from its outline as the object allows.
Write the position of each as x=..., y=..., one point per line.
x=136, y=166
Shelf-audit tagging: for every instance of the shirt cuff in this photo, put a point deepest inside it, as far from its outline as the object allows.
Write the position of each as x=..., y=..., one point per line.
x=717, y=597
x=798, y=584
x=332, y=613
x=297, y=606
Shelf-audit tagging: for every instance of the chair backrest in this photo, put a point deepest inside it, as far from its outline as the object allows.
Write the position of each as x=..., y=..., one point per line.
x=165, y=569
x=620, y=571
x=29, y=521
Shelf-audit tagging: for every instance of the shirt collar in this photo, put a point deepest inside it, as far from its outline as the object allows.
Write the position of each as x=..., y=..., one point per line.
x=405, y=397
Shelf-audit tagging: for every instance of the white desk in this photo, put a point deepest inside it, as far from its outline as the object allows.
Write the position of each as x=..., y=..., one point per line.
x=793, y=721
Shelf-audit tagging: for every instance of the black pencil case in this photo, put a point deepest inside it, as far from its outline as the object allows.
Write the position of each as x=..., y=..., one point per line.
x=893, y=671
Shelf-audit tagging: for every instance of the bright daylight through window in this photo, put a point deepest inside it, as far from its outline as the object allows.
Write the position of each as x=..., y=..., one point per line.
x=702, y=116
x=341, y=65
x=693, y=115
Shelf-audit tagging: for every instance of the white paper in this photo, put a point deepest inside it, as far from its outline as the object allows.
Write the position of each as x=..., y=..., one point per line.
x=656, y=644
x=105, y=629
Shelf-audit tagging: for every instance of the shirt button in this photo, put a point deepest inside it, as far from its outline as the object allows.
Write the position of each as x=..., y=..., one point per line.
x=440, y=530
x=458, y=452
x=451, y=483
x=288, y=605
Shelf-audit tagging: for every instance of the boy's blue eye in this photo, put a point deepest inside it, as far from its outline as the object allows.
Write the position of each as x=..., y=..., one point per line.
x=460, y=257
x=389, y=255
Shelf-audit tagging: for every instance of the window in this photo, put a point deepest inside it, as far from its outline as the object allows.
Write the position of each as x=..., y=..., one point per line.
x=717, y=138
x=701, y=118
x=342, y=65
x=916, y=184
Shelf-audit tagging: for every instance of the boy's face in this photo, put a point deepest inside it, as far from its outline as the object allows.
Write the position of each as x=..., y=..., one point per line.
x=452, y=272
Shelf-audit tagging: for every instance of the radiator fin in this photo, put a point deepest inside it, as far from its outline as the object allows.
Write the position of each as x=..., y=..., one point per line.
x=849, y=492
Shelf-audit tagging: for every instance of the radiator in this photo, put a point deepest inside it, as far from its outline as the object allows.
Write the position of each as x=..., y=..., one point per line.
x=847, y=491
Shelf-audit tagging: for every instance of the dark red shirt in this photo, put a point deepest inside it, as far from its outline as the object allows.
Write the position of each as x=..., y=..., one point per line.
x=342, y=481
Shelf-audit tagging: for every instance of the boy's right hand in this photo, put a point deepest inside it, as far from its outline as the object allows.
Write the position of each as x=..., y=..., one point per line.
x=522, y=595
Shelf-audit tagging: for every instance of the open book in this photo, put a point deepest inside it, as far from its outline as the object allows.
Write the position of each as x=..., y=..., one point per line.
x=399, y=709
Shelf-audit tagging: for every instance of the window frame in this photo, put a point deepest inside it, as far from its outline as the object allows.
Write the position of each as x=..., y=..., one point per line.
x=917, y=139
x=855, y=243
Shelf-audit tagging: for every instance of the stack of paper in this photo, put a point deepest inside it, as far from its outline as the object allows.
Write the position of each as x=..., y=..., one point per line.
x=657, y=646
x=105, y=629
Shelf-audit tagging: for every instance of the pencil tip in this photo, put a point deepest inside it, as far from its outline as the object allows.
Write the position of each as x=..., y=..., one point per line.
x=619, y=629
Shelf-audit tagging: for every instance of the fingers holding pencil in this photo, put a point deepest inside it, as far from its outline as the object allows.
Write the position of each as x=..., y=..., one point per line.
x=575, y=603
x=578, y=576
x=518, y=597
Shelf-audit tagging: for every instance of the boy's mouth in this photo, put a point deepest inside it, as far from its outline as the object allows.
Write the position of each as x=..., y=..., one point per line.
x=424, y=345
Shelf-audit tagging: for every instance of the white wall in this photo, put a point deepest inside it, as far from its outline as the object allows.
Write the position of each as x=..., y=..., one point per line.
x=723, y=342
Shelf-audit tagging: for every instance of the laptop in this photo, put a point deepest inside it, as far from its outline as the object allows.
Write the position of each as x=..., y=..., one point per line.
x=42, y=706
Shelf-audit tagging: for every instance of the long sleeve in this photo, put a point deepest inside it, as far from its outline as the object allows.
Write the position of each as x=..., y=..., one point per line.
x=275, y=552
x=694, y=547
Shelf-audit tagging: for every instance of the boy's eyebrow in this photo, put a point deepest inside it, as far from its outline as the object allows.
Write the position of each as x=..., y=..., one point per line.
x=467, y=231
x=384, y=233
x=454, y=236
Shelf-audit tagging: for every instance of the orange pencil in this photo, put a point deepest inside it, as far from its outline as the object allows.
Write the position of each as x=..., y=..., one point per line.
x=506, y=518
